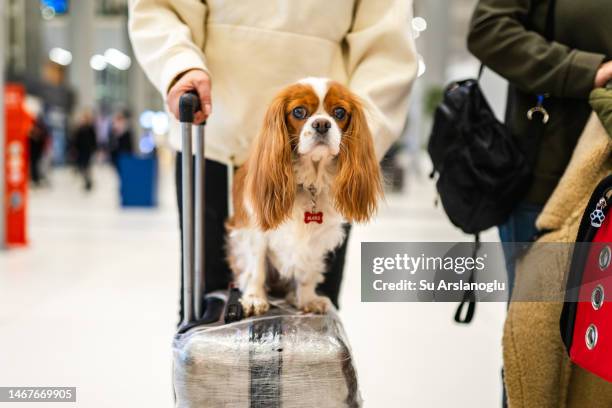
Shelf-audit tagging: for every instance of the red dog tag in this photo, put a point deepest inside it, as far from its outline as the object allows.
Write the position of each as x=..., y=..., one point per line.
x=313, y=217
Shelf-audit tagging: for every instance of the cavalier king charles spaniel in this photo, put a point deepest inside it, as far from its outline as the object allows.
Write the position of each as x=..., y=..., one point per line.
x=312, y=167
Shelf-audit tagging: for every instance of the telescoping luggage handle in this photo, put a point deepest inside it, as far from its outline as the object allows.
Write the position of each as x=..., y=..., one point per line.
x=193, y=237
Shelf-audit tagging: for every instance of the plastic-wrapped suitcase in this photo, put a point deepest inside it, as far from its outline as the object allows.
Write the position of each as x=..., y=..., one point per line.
x=586, y=320
x=282, y=359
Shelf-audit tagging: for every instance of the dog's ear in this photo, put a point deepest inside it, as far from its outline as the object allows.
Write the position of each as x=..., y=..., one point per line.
x=270, y=180
x=358, y=185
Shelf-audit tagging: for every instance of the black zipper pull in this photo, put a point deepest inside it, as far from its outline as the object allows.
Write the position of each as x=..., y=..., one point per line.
x=598, y=216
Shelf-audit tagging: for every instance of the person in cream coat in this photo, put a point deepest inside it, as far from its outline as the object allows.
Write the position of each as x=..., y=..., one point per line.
x=237, y=54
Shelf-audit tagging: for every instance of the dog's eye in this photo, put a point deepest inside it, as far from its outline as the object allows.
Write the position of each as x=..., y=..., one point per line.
x=339, y=113
x=299, y=112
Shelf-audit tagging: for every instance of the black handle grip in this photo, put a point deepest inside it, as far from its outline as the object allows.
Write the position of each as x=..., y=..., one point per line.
x=233, y=309
x=188, y=105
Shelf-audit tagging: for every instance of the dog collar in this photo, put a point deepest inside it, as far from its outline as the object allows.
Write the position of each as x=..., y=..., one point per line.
x=313, y=215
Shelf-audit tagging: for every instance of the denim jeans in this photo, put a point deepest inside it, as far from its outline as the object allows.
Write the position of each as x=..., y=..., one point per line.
x=520, y=227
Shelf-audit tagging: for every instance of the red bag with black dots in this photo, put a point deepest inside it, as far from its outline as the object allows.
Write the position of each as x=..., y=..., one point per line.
x=586, y=320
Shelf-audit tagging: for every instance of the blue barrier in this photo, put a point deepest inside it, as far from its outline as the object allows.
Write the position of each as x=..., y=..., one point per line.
x=138, y=179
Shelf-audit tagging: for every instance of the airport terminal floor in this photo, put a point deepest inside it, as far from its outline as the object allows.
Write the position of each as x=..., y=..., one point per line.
x=94, y=301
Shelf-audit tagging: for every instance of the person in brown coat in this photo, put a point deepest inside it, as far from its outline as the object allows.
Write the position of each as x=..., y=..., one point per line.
x=538, y=371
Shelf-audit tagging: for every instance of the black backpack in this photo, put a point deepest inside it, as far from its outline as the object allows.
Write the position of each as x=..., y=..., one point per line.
x=483, y=173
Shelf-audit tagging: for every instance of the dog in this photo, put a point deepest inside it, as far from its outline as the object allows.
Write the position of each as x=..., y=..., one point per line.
x=312, y=168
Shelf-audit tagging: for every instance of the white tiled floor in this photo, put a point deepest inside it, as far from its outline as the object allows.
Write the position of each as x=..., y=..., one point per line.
x=92, y=303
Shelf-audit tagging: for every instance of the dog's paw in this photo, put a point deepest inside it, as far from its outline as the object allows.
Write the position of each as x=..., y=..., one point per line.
x=317, y=304
x=254, y=305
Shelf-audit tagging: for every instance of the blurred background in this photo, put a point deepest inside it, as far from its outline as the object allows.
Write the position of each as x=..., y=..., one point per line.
x=89, y=265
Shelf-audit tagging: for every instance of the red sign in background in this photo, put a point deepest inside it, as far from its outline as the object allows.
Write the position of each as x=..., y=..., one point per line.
x=18, y=123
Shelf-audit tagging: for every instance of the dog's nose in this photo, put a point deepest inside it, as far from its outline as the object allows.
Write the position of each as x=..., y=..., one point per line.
x=321, y=126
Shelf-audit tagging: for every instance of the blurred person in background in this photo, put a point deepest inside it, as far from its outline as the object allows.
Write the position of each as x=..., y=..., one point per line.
x=249, y=51
x=559, y=50
x=58, y=103
x=85, y=146
x=120, y=137
x=104, y=123
x=39, y=139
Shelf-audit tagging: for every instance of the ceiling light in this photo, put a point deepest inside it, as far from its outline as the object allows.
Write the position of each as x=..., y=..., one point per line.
x=160, y=123
x=419, y=24
x=60, y=56
x=117, y=59
x=97, y=62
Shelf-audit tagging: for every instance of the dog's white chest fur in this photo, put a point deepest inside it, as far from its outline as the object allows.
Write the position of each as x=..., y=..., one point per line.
x=297, y=249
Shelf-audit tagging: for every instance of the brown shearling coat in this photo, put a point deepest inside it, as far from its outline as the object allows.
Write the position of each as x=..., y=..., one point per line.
x=538, y=373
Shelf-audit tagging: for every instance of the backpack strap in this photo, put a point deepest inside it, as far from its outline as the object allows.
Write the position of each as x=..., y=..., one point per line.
x=549, y=29
x=480, y=71
x=469, y=298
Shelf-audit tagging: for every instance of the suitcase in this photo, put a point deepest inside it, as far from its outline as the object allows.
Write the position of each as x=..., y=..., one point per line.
x=586, y=319
x=282, y=359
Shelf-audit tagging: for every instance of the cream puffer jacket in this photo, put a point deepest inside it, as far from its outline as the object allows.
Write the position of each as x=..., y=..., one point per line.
x=252, y=48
